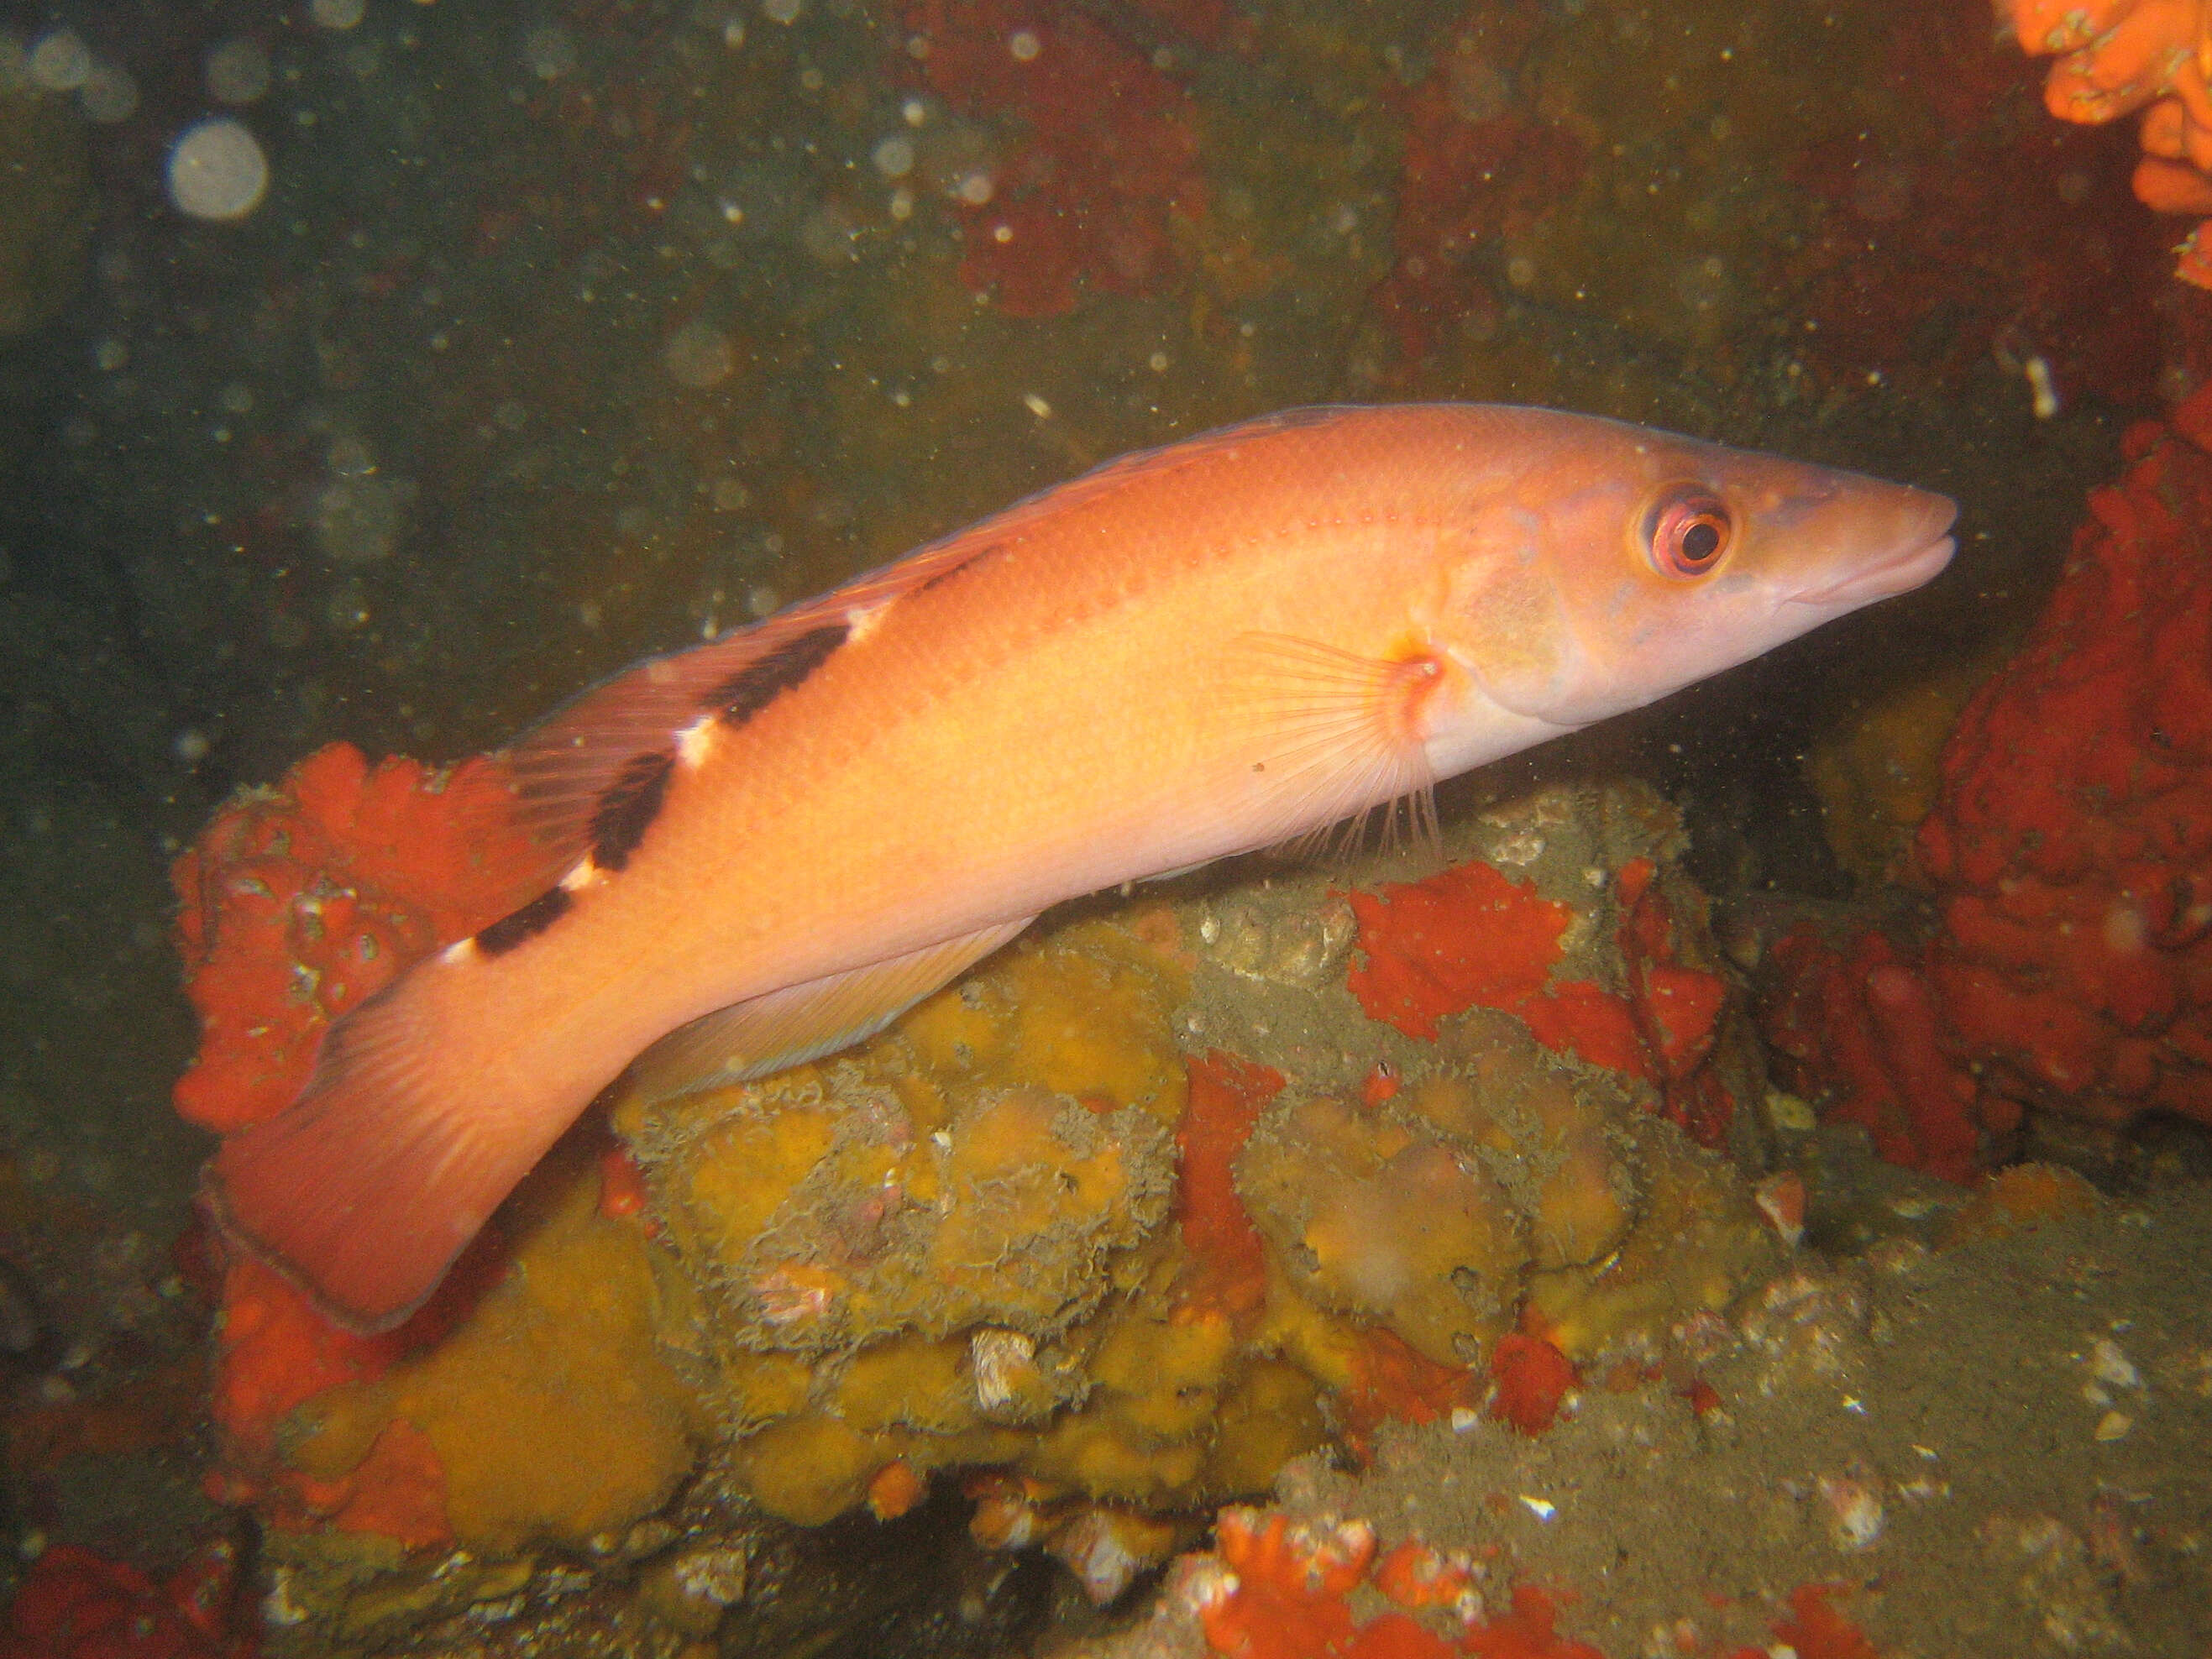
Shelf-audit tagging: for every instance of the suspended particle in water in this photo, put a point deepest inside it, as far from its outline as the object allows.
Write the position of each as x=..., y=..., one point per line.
x=893, y=156
x=217, y=170
x=60, y=61
x=347, y=610
x=336, y=14
x=1024, y=46
x=698, y=355
x=782, y=11
x=109, y=93
x=550, y=51
x=237, y=70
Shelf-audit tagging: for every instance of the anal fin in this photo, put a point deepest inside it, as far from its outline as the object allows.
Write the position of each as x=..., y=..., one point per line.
x=804, y=1022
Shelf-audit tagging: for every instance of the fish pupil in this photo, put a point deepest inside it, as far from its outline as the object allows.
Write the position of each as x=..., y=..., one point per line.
x=1701, y=541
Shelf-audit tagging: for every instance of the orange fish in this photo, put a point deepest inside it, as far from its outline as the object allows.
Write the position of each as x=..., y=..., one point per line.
x=770, y=845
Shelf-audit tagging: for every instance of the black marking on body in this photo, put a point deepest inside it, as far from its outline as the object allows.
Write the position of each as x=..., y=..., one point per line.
x=631, y=803
x=762, y=681
x=517, y=926
x=973, y=561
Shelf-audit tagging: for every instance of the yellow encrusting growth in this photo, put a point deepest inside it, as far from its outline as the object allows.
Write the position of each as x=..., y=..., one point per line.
x=960, y=1245
x=552, y=1412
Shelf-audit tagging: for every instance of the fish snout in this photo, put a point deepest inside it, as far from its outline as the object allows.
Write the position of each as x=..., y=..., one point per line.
x=1908, y=550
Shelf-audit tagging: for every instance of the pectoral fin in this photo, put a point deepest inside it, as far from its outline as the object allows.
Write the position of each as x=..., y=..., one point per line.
x=1341, y=735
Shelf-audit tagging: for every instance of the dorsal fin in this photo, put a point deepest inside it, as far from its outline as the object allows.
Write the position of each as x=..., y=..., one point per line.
x=566, y=767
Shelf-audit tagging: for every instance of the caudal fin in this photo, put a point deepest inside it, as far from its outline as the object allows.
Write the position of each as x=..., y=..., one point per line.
x=365, y=1189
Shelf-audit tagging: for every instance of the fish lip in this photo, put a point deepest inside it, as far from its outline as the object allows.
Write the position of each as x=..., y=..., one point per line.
x=1918, y=565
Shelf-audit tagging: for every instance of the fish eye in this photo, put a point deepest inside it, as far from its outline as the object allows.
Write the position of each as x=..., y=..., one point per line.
x=1686, y=531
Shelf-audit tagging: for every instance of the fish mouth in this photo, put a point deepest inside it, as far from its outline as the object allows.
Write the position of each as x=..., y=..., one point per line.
x=1914, y=564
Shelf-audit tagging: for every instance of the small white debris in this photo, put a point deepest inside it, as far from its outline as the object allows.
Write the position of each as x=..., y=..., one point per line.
x=2114, y=1426
x=1004, y=1363
x=2042, y=393
x=1854, y=1512
x=1791, y=1112
x=2109, y=1363
x=1465, y=1420
x=1036, y=405
x=1538, y=1507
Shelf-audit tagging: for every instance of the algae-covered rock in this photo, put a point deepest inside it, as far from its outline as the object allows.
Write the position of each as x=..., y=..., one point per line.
x=916, y=1253
x=1168, y=1193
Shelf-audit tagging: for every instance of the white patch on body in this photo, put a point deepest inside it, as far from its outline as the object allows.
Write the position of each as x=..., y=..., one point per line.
x=863, y=620
x=696, y=742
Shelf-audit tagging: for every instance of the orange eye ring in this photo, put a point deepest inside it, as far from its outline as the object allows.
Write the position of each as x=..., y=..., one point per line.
x=1687, y=531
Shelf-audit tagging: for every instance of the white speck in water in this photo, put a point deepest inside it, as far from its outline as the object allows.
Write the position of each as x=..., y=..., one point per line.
x=337, y=13
x=782, y=11
x=1158, y=362
x=902, y=203
x=190, y=746
x=217, y=171
x=976, y=187
x=1024, y=46
x=1036, y=405
x=237, y=70
x=914, y=111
